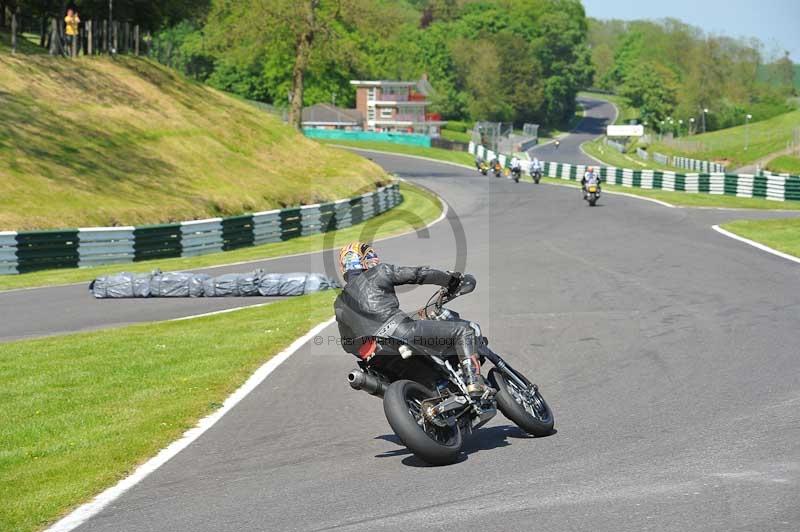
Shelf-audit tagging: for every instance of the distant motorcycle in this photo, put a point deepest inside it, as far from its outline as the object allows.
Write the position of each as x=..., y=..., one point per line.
x=482, y=166
x=592, y=193
x=516, y=173
x=498, y=169
x=536, y=174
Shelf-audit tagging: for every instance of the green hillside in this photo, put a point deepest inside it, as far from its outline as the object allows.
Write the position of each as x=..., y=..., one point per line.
x=96, y=141
x=762, y=138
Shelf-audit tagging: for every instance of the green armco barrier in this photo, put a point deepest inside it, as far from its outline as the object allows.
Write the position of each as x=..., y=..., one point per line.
x=71, y=248
x=370, y=136
x=38, y=250
x=157, y=242
x=237, y=232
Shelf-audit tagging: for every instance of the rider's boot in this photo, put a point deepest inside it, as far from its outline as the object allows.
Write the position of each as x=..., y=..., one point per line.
x=476, y=385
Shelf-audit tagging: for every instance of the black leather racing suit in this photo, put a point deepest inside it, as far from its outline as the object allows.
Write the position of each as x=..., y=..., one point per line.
x=368, y=307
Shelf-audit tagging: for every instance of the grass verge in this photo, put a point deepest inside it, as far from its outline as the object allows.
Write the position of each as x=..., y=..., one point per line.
x=456, y=136
x=404, y=149
x=690, y=199
x=611, y=157
x=82, y=411
x=419, y=208
x=783, y=234
x=761, y=139
x=785, y=164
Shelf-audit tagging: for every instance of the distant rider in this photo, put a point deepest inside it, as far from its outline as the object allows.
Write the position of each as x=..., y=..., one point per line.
x=536, y=166
x=516, y=165
x=590, y=177
x=368, y=308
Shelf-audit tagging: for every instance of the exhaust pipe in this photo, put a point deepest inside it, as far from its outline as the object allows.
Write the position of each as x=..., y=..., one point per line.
x=369, y=383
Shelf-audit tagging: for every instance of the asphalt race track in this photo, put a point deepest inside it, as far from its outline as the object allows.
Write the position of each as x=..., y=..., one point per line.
x=668, y=352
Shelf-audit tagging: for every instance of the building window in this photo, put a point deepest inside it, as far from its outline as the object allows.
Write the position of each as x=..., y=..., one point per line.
x=371, y=94
x=387, y=112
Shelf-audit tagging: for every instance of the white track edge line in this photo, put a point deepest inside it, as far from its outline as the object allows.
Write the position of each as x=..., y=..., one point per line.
x=615, y=193
x=84, y=512
x=223, y=311
x=755, y=244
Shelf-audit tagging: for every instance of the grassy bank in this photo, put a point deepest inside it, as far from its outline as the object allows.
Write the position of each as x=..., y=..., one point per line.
x=765, y=137
x=419, y=208
x=684, y=199
x=82, y=411
x=783, y=235
x=611, y=157
x=419, y=151
x=96, y=141
x=785, y=164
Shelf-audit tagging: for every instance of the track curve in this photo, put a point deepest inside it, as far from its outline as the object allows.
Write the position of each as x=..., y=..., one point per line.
x=668, y=352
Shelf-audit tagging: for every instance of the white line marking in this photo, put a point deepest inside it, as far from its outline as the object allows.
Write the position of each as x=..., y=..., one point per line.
x=81, y=514
x=614, y=193
x=645, y=198
x=755, y=244
x=224, y=311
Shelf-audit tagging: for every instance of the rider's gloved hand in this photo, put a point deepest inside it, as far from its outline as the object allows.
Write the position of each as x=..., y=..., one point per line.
x=455, y=283
x=461, y=283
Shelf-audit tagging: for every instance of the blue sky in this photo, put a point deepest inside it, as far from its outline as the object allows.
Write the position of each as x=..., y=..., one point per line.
x=775, y=22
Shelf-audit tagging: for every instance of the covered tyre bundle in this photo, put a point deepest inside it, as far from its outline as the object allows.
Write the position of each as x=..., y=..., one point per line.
x=233, y=285
x=294, y=284
x=178, y=284
x=187, y=284
x=122, y=285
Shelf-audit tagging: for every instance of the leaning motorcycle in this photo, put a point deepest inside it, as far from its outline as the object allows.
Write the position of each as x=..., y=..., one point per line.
x=591, y=194
x=425, y=396
x=516, y=173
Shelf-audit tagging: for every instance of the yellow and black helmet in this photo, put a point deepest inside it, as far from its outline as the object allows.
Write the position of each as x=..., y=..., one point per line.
x=357, y=256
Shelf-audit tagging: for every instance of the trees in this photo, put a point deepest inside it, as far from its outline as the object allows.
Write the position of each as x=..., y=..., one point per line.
x=509, y=60
x=700, y=71
x=652, y=88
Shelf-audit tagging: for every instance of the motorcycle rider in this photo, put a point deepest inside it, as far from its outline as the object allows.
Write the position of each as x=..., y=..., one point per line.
x=536, y=166
x=368, y=307
x=516, y=165
x=590, y=178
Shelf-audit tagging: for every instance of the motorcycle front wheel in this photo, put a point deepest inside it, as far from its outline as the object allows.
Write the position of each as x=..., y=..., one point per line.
x=528, y=411
x=433, y=444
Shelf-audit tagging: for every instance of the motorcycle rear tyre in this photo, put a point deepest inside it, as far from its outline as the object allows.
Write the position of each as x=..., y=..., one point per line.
x=405, y=426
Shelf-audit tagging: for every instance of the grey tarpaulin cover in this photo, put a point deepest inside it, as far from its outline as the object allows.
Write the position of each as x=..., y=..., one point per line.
x=294, y=284
x=122, y=285
x=186, y=284
x=178, y=284
x=233, y=284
